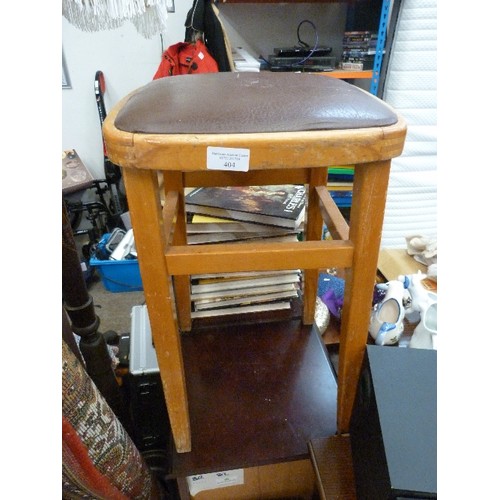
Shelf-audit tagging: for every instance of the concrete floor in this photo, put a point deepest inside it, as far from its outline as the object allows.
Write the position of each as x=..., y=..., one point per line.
x=113, y=308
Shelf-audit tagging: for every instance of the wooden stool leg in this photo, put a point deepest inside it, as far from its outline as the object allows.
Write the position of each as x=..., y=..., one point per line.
x=366, y=219
x=145, y=212
x=313, y=232
x=173, y=181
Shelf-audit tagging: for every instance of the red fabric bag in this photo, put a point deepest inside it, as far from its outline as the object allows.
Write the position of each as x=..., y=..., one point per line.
x=186, y=58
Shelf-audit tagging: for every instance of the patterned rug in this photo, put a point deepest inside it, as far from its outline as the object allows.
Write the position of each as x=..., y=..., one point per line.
x=99, y=460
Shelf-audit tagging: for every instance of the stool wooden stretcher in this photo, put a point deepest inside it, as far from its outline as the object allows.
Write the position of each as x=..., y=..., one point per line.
x=294, y=126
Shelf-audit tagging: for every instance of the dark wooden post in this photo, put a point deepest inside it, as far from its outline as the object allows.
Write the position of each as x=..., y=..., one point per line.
x=85, y=323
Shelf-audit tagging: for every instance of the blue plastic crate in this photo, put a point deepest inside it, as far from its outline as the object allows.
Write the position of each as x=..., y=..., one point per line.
x=119, y=275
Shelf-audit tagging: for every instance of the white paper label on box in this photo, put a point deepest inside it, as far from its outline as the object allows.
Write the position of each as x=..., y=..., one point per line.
x=213, y=480
x=232, y=159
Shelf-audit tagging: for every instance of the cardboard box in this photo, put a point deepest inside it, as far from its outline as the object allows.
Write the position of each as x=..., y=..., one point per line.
x=395, y=261
x=281, y=480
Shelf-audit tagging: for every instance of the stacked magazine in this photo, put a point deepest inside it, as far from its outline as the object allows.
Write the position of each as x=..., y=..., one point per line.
x=237, y=293
x=236, y=214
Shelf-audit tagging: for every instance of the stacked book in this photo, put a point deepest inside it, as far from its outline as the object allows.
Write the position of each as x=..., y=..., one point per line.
x=339, y=185
x=237, y=214
x=358, y=50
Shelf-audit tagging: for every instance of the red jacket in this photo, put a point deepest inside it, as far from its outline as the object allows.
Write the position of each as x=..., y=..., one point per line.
x=185, y=58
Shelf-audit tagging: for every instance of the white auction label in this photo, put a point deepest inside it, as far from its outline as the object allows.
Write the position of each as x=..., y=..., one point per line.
x=215, y=480
x=232, y=159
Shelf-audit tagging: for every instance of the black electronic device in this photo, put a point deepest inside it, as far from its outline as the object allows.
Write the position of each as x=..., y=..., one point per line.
x=393, y=428
x=302, y=51
x=319, y=63
x=309, y=68
x=288, y=61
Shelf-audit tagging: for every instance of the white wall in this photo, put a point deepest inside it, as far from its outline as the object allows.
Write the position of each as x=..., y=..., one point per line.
x=128, y=61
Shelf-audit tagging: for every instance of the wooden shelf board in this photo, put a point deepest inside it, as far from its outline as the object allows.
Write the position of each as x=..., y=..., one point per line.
x=349, y=75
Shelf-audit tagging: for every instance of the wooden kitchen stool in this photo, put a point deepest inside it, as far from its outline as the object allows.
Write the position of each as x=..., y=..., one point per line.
x=287, y=128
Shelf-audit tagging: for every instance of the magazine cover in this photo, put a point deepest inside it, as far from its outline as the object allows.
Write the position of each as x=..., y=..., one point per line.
x=267, y=204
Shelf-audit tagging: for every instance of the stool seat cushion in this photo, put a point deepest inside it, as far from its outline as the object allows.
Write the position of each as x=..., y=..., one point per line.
x=231, y=103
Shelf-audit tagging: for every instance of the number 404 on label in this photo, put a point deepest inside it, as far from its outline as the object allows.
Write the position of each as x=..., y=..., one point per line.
x=231, y=159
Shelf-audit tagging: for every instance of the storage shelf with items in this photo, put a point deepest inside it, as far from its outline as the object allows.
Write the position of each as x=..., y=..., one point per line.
x=329, y=21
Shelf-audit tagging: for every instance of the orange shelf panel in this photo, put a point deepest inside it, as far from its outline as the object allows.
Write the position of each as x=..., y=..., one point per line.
x=347, y=75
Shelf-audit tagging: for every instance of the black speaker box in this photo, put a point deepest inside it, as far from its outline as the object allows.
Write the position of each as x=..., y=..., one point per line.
x=393, y=427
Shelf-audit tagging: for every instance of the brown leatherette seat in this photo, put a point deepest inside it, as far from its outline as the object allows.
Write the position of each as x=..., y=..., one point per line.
x=231, y=103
